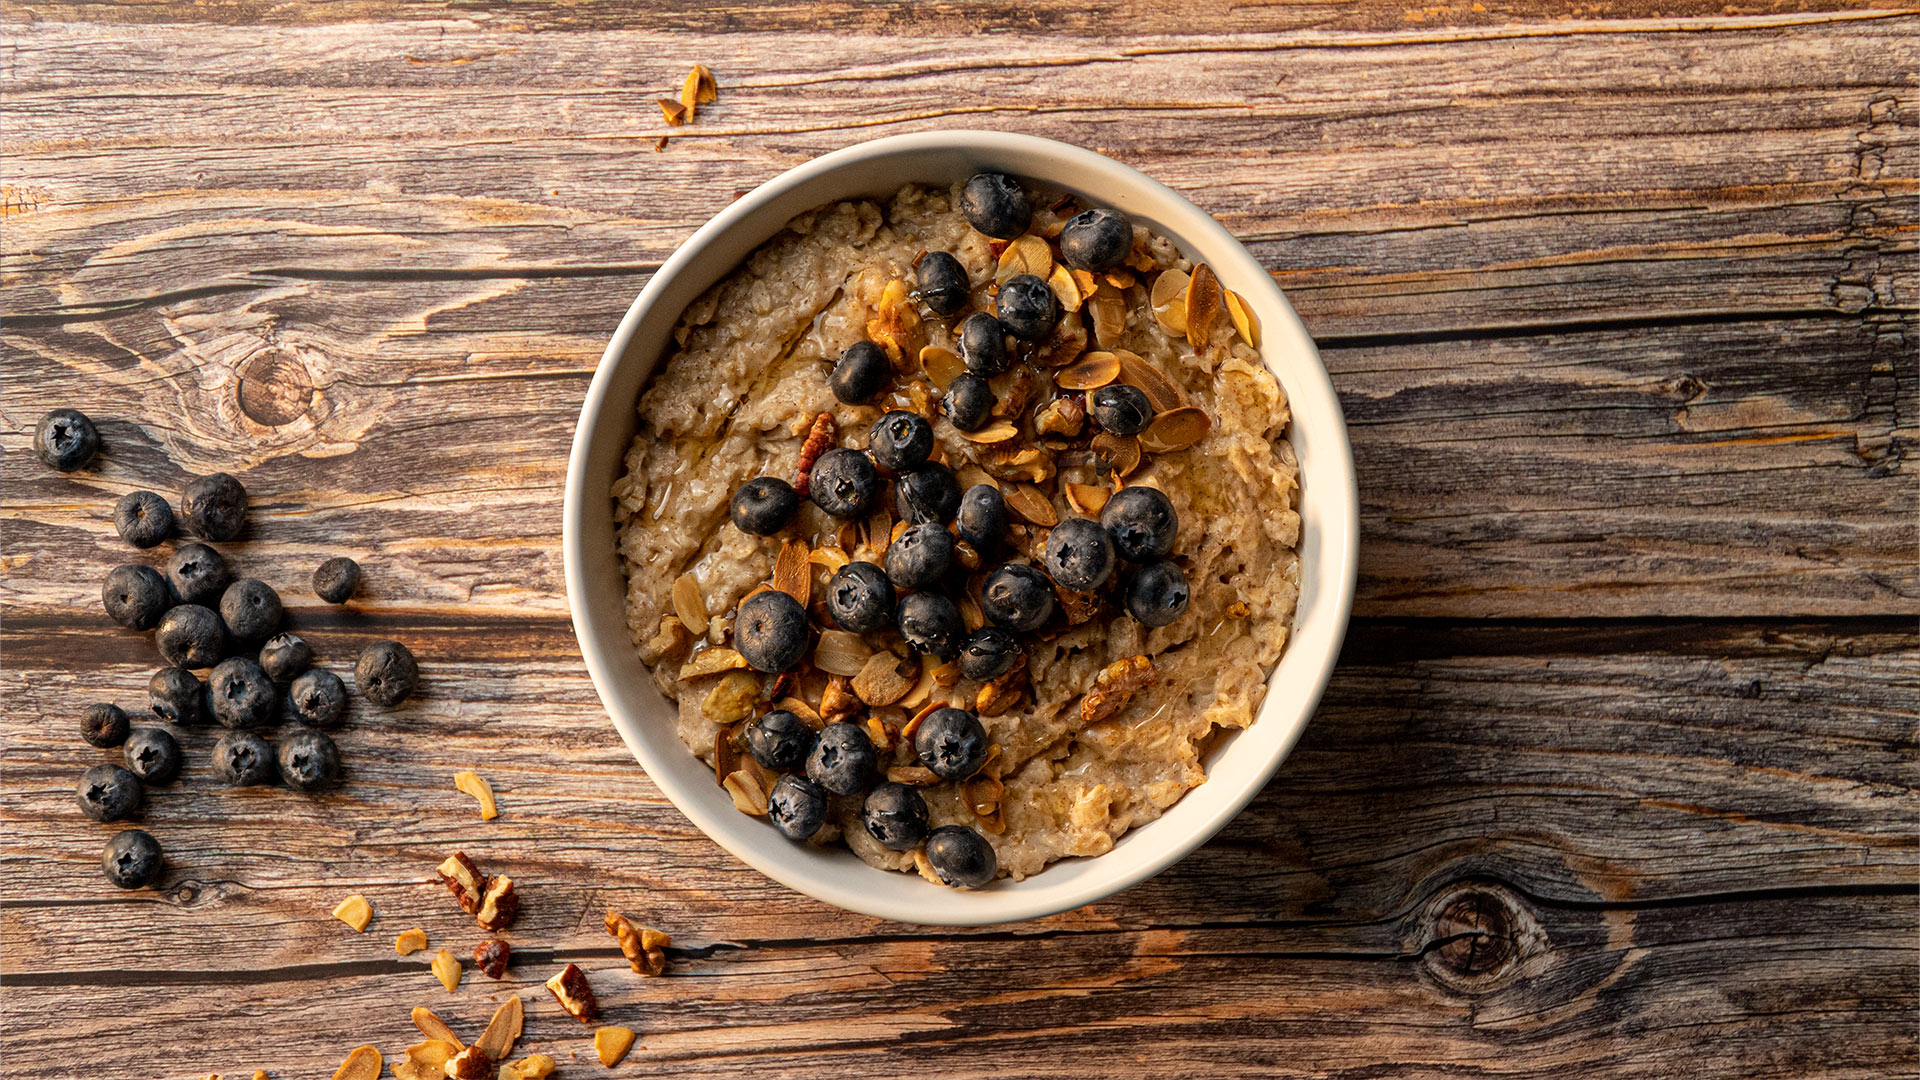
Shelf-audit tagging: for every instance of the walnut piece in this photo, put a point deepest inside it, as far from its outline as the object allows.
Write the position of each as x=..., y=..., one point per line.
x=570, y=988
x=500, y=906
x=464, y=880
x=1114, y=687
x=1000, y=694
x=644, y=948
x=839, y=701
x=491, y=957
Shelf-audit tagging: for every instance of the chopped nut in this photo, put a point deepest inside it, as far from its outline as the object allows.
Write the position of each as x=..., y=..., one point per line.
x=1120, y=277
x=435, y=1028
x=1091, y=372
x=790, y=574
x=912, y=775
x=1238, y=610
x=747, y=794
x=971, y=615
x=1115, y=686
x=877, y=733
x=879, y=530
x=689, y=604
x=1109, y=313
x=800, y=709
x=660, y=144
x=1245, y=323
x=1162, y=393
x=913, y=724
x=464, y=880
x=425, y=1060
x=894, y=321
x=675, y=113
x=570, y=988
x=472, y=1063
x=1061, y=416
x=476, y=785
x=497, y=1041
x=1175, y=430
x=712, y=661
x=446, y=968
x=998, y=695
x=644, y=949
x=941, y=366
x=671, y=639
x=1028, y=502
x=997, y=432
x=1169, y=300
x=885, y=679
x=732, y=698
x=491, y=957
x=1027, y=255
x=500, y=906
x=1086, y=498
x=966, y=555
x=819, y=440
x=410, y=941
x=839, y=701
x=355, y=912
x=1119, y=454
x=948, y=674
x=363, y=1063
x=1079, y=607
x=1203, y=304
x=612, y=1044
x=532, y=1067
x=1008, y=462
x=1065, y=289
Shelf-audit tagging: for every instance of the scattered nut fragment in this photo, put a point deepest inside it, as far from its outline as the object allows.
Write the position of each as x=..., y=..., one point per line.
x=425, y=1060
x=464, y=880
x=982, y=795
x=1238, y=610
x=997, y=432
x=690, y=604
x=885, y=679
x=1109, y=314
x=800, y=709
x=503, y=1029
x=1079, y=607
x=1091, y=372
x=472, y=1063
x=912, y=775
x=363, y=1063
x=828, y=558
x=697, y=89
x=1203, y=304
x=894, y=322
x=435, y=1028
x=446, y=968
x=571, y=989
x=612, y=1044
x=1061, y=416
x=1027, y=255
x=1244, y=321
x=1115, y=686
x=644, y=948
x=491, y=957
x=671, y=639
x=1177, y=429
x=532, y=1067
x=712, y=661
x=1065, y=289
x=500, y=906
x=476, y=785
x=410, y=941
x=355, y=912
x=732, y=698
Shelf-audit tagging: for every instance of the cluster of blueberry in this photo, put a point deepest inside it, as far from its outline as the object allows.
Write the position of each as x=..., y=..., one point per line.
x=201, y=617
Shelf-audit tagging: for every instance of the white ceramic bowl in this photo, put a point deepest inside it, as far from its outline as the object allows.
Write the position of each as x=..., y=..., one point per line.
x=1239, y=765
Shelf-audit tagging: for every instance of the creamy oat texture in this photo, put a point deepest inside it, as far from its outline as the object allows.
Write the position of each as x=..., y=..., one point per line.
x=736, y=401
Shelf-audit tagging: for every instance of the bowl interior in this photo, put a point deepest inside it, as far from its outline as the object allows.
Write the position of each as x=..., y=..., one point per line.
x=1238, y=765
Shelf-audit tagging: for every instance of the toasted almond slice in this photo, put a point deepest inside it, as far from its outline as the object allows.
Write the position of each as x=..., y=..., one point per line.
x=1027, y=255
x=790, y=571
x=712, y=661
x=612, y=1044
x=972, y=616
x=1087, y=498
x=997, y=432
x=1176, y=429
x=446, y=968
x=363, y=1063
x=800, y=709
x=1169, y=300
x=1162, y=393
x=920, y=715
x=1084, y=281
x=533, y=1067
x=1065, y=289
x=1120, y=277
x=971, y=474
x=503, y=1029
x=689, y=604
x=675, y=112
x=410, y=941
x=941, y=365
x=435, y=1028
x=983, y=795
x=828, y=558
x=1121, y=452
x=355, y=912
x=1203, y=304
x=748, y=796
x=881, y=682
x=709, y=90
x=1032, y=505
x=1244, y=322
x=690, y=93
x=879, y=530
x=476, y=785
x=1090, y=372
x=912, y=775
x=1109, y=318
x=848, y=535
x=426, y=1060
x=923, y=688
x=841, y=653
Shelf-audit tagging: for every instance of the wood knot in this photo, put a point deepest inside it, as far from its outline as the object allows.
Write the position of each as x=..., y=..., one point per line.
x=1478, y=936
x=275, y=388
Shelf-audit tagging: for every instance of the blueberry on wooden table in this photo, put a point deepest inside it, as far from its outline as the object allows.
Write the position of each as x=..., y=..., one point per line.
x=336, y=580
x=1027, y=307
x=861, y=372
x=995, y=204
x=1120, y=408
x=771, y=631
x=317, y=698
x=1096, y=240
x=968, y=402
x=136, y=596
x=943, y=283
x=843, y=483
x=108, y=793
x=178, y=696
x=797, y=807
x=250, y=609
x=386, y=673
x=131, y=859
x=900, y=441
x=243, y=759
x=1079, y=554
x=190, y=636
x=1141, y=522
x=1018, y=597
x=896, y=816
x=920, y=557
x=780, y=741
x=989, y=653
x=65, y=440
x=214, y=507
x=198, y=574
x=961, y=857
x=285, y=656
x=860, y=598
x=1158, y=594
x=983, y=345
x=143, y=518
x=927, y=494
x=764, y=505
x=104, y=725
x=153, y=755
x=952, y=743
x=842, y=760
x=241, y=694
x=931, y=624
x=308, y=759
x=982, y=516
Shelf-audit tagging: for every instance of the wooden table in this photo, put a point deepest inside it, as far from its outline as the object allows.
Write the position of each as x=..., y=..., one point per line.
x=1616, y=777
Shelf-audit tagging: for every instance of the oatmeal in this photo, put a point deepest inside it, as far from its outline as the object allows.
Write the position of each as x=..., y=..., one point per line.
x=959, y=548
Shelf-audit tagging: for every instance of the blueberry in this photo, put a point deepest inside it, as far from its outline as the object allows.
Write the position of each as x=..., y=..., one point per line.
x=1017, y=597
x=921, y=557
x=895, y=815
x=143, y=518
x=285, y=656
x=943, y=283
x=842, y=759
x=198, y=574
x=771, y=631
x=241, y=694
x=214, y=507
x=900, y=442
x=961, y=857
x=1121, y=409
x=136, y=596
x=860, y=598
x=982, y=517
x=152, y=755
x=843, y=483
x=932, y=625
x=178, y=697
x=317, y=698
x=995, y=204
x=968, y=402
x=861, y=372
x=983, y=345
x=251, y=609
x=780, y=740
x=1142, y=523
x=1079, y=554
x=65, y=440
x=1026, y=307
x=1096, y=240
x=308, y=759
x=108, y=793
x=988, y=654
x=190, y=636
x=764, y=505
x=797, y=807
x=952, y=743
x=1158, y=594
x=929, y=494
x=243, y=759
x=132, y=859
x=386, y=673
x=104, y=725
x=336, y=579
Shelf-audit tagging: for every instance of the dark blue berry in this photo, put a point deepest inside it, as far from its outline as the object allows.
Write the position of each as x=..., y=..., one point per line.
x=104, y=725
x=952, y=743
x=65, y=440
x=1079, y=554
x=243, y=759
x=961, y=857
x=943, y=283
x=136, y=597
x=968, y=402
x=926, y=495
x=797, y=807
x=152, y=755
x=780, y=740
x=1121, y=409
x=900, y=442
x=214, y=507
x=932, y=625
x=1158, y=594
x=843, y=483
x=178, y=696
x=1026, y=307
x=336, y=579
x=241, y=694
x=131, y=859
x=921, y=557
x=1096, y=240
x=988, y=654
x=198, y=574
x=771, y=631
x=317, y=698
x=387, y=673
x=982, y=516
x=860, y=373
x=896, y=816
x=983, y=345
x=190, y=636
x=308, y=759
x=860, y=598
x=995, y=204
x=1142, y=522
x=285, y=656
x=143, y=518
x=764, y=505
x=1018, y=597
x=250, y=609
x=108, y=793
x=842, y=759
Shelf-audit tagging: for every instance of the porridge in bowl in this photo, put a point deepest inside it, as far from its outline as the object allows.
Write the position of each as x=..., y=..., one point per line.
x=960, y=525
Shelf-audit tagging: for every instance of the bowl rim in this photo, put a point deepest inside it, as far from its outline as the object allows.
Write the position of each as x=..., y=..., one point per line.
x=1335, y=495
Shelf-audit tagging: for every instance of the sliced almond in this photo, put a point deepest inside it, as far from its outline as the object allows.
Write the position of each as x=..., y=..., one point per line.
x=503, y=1029
x=983, y=794
x=1169, y=299
x=1109, y=317
x=1065, y=289
x=355, y=912
x=689, y=604
x=1176, y=429
x=1202, y=303
x=1031, y=504
x=972, y=616
x=879, y=530
x=410, y=941
x=712, y=661
x=476, y=785
x=800, y=709
x=1120, y=452
x=533, y=1067
x=997, y=432
x=828, y=558
x=726, y=755
x=706, y=89
x=941, y=365
x=1090, y=372
x=841, y=653
x=675, y=112
x=433, y=1027
x=971, y=475
x=923, y=687
x=912, y=775
x=1120, y=277
x=612, y=1044
x=877, y=734
x=1027, y=255
x=790, y=574
x=363, y=1063
x=1162, y=393
x=426, y=1060
x=1086, y=498
x=748, y=796
x=1244, y=322
x=1086, y=283
x=881, y=682
x=446, y=968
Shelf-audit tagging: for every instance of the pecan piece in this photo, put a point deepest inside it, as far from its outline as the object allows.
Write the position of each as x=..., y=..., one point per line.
x=470, y=1064
x=491, y=957
x=571, y=990
x=644, y=948
x=464, y=880
x=819, y=439
x=500, y=906
x=1114, y=687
